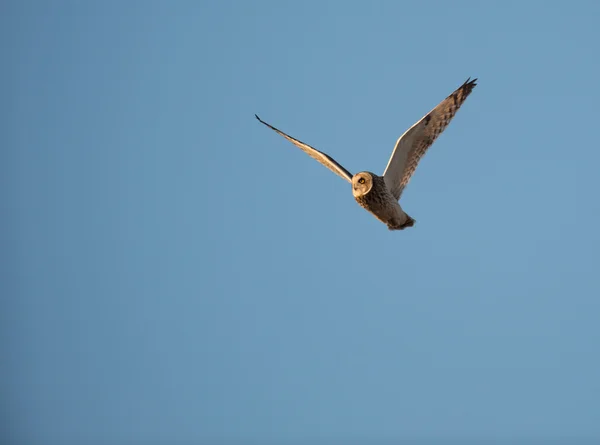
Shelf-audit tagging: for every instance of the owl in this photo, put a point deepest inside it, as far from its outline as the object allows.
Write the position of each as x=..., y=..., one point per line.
x=380, y=195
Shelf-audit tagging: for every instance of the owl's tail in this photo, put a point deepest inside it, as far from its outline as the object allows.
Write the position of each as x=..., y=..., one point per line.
x=408, y=223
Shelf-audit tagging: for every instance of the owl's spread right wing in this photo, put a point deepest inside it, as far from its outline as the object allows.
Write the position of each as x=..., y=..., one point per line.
x=413, y=144
x=323, y=158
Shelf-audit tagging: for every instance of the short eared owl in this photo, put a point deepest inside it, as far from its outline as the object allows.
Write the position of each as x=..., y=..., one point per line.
x=380, y=194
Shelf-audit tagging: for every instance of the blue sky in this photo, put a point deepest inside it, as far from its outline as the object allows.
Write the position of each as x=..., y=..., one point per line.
x=175, y=272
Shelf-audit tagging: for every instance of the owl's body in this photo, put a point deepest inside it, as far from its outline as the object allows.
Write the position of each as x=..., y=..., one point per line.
x=379, y=195
x=374, y=196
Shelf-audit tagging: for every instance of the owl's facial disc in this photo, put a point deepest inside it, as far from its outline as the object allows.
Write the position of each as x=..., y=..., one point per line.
x=361, y=184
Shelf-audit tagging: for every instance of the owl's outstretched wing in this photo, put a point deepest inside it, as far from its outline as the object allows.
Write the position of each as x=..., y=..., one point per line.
x=413, y=144
x=323, y=158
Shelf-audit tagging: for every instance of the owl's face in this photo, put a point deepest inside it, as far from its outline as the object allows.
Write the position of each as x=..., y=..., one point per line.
x=362, y=183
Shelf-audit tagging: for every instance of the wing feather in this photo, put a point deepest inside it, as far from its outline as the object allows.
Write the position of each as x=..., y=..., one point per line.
x=413, y=144
x=323, y=158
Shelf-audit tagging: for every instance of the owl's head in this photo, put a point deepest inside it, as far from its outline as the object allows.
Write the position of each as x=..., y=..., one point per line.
x=362, y=183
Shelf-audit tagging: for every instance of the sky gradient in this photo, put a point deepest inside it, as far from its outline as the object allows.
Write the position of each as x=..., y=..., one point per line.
x=176, y=273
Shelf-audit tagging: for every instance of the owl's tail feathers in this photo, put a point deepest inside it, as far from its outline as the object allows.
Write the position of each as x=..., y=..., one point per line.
x=408, y=223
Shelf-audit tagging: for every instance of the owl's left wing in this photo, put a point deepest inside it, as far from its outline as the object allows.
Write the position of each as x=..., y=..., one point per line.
x=323, y=158
x=413, y=144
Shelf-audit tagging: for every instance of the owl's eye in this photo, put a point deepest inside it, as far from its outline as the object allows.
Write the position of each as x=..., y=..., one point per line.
x=361, y=181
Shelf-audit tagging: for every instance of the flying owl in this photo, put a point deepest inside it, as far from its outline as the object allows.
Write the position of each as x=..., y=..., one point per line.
x=379, y=195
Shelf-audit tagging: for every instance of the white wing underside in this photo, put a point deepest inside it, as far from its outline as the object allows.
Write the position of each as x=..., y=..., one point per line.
x=323, y=158
x=413, y=144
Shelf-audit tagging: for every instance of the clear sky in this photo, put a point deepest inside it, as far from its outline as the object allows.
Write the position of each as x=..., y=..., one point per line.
x=173, y=272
